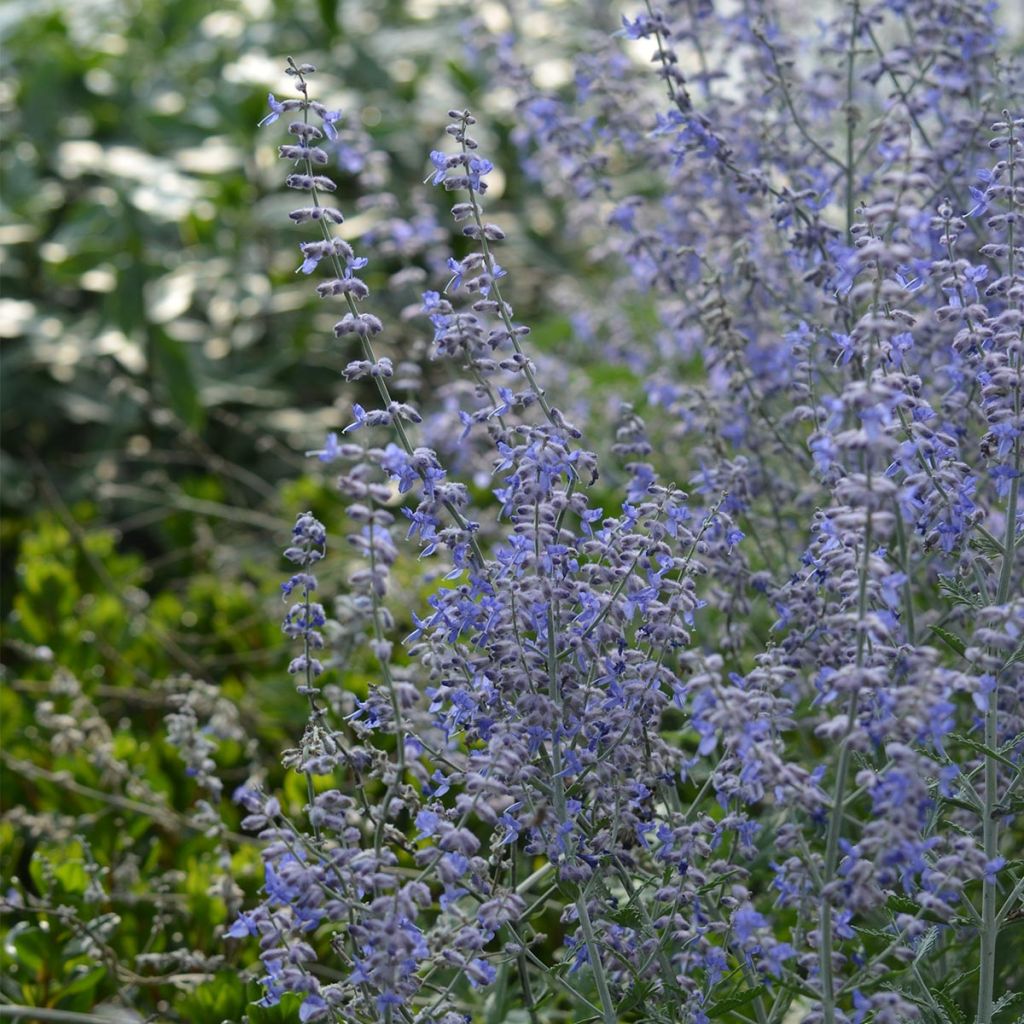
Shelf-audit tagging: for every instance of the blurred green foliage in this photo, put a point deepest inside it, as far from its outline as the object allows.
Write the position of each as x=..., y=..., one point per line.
x=151, y=316
x=153, y=325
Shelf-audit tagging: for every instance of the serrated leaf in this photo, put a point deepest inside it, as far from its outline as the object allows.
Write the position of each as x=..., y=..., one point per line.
x=950, y=639
x=1018, y=655
x=1008, y=1001
x=958, y=829
x=635, y=999
x=874, y=933
x=962, y=804
x=724, y=1006
x=926, y=944
x=628, y=917
x=901, y=904
x=958, y=591
x=983, y=748
x=898, y=904
x=987, y=546
x=952, y=1013
x=959, y=979
x=716, y=883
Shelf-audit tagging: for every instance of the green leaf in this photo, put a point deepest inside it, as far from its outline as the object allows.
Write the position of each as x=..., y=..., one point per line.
x=964, y=805
x=1018, y=655
x=634, y=999
x=952, y=1012
x=982, y=748
x=285, y=1012
x=897, y=904
x=883, y=937
x=956, y=827
x=86, y=981
x=173, y=369
x=1007, y=1002
x=463, y=77
x=28, y=945
x=329, y=14
x=222, y=997
x=901, y=904
x=1013, y=806
x=950, y=639
x=711, y=886
x=959, y=980
x=496, y=1007
x=987, y=546
x=734, y=1002
x=607, y=375
x=958, y=591
x=72, y=876
x=926, y=945
x=125, y=303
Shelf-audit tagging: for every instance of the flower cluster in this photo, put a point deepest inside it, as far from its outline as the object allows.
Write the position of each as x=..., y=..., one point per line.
x=758, y=740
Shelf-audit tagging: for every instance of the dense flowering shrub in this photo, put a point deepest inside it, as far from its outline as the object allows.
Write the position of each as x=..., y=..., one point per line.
x=751, y=748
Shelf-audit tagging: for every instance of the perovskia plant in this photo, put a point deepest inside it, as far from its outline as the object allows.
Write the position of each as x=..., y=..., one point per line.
x=587, y=783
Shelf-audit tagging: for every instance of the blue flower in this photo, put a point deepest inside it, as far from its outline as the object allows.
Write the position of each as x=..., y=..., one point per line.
x=330, y=117
x=354, y=263
x=360, y=419
x=276, y=110
x=497, y=272
x=388, y=999
x=980, y=197
x=427, y=822
x=478, y=167
x=775, y=956
x=243, y=928
x=330, y=450
x=992, y=868
x=641, y=28
x=846, y=350
x=312, y=254
x=313, y=1008
x=440, y=162
x=861, y=1005
x=480, y=972
x=457, y=273
x=745, y=921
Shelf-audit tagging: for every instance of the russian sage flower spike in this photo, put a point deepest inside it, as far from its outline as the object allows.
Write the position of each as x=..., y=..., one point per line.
x=306, y=616
x=345, y=286
x=479, y=273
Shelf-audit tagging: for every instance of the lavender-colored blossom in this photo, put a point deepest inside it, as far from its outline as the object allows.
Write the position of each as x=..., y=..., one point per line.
x=614, y=705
